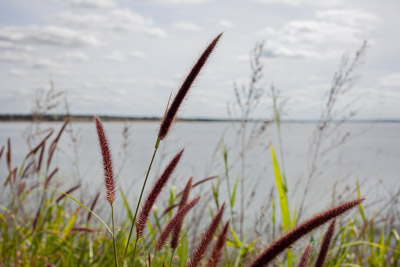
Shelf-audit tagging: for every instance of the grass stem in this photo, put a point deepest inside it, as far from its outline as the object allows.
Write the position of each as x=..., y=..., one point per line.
x=140, y=199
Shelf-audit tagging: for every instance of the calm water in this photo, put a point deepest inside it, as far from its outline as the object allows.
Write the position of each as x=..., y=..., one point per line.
x=372, y=156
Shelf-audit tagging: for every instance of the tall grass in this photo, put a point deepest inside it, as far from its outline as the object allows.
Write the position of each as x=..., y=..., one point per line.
x=64, y=231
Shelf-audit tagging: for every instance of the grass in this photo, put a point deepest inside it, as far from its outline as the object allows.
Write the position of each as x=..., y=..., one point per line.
x=44, y=226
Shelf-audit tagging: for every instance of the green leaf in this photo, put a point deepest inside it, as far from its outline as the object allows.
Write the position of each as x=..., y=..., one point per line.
x=86, y=208
x=234, y=191
x=282, y=192
x=128, y=209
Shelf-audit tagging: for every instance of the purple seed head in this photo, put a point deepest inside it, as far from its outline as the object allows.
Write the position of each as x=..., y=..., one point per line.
x=107, y=162
x=325, y=245
x=177, y=219
x=154, y=193
x=217, y=251
x=180, y=96
x=305, y=258
x=292, y=236
x=206, y=240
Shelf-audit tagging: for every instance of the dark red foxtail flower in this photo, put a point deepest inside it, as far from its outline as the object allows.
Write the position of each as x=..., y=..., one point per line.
x=107, y=162
x=325, y=245
x=180, y=96
x=9, y=154
x=217, y=251
x=154, y=193
x=292, y=236
x=206, y=240
x=177, y=219
x=305, y=258
x=178, y=226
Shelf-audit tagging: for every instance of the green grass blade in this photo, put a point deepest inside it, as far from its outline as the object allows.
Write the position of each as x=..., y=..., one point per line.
x=128, y=209
x=82, y=205
x=234, y=192
x=282, y=192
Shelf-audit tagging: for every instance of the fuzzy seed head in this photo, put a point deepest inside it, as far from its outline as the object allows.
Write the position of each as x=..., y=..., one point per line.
x=292, y=236
x=107, y=162
x=206, y=240
x=180, y=96
x=154, y=193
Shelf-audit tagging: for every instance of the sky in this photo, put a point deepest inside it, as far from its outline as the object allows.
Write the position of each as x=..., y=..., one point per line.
x=124, y=57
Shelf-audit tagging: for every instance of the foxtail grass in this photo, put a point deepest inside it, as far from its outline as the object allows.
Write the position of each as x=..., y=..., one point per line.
x=166, y=123
x=305, y=258
x=217, y=251
x=199, y=253
x=323, y=252
x=283, y=242
x=108, y=175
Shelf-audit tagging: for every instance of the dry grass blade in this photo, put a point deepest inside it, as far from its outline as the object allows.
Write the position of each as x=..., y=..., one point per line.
x=1, y=151
x=325, y=245
x=53, y=145
x=154, y=193
x=280, y=244
x=172, y=111
x=206, y=240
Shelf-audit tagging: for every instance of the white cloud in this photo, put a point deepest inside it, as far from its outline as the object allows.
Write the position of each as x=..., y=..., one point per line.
x=16, y=72
x=114, y=20
x=74, y=56
x=181, y=1
x=116, y=56
x=300, y=2
x=225, y=23
x=14, y=56
x=325, y=34
x=46, y=64
x=351, y=17
x=187, y=26
x=391, y=80
x=93, y=3
x=137, y=55
x=46, y=35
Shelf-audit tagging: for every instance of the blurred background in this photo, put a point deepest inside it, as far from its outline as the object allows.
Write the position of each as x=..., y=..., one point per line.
x=124, y=58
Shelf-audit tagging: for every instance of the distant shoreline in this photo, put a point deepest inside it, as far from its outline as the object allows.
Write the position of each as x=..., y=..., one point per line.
x=83, y=118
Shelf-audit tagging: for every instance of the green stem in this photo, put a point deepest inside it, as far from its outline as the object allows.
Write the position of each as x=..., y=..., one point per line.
x=113, y=230
x=140, y=199
x=172, y=256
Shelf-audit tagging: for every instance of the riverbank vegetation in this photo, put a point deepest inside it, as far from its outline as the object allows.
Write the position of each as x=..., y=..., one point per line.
x=42, y=225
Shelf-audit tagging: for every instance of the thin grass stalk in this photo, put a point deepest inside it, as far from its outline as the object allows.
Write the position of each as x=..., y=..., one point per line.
x=140, y=199
x=206, y=240
x=280, y=244
x=114, y=241
x=1, y=151
x=323, y=252
x=305, y=258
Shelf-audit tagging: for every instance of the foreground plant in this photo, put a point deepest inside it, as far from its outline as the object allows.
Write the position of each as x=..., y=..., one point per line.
x=167, y=121
x=283, y=242
x=109, y=177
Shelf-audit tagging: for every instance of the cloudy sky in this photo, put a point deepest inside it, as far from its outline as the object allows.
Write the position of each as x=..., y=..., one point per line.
x=124, y=57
